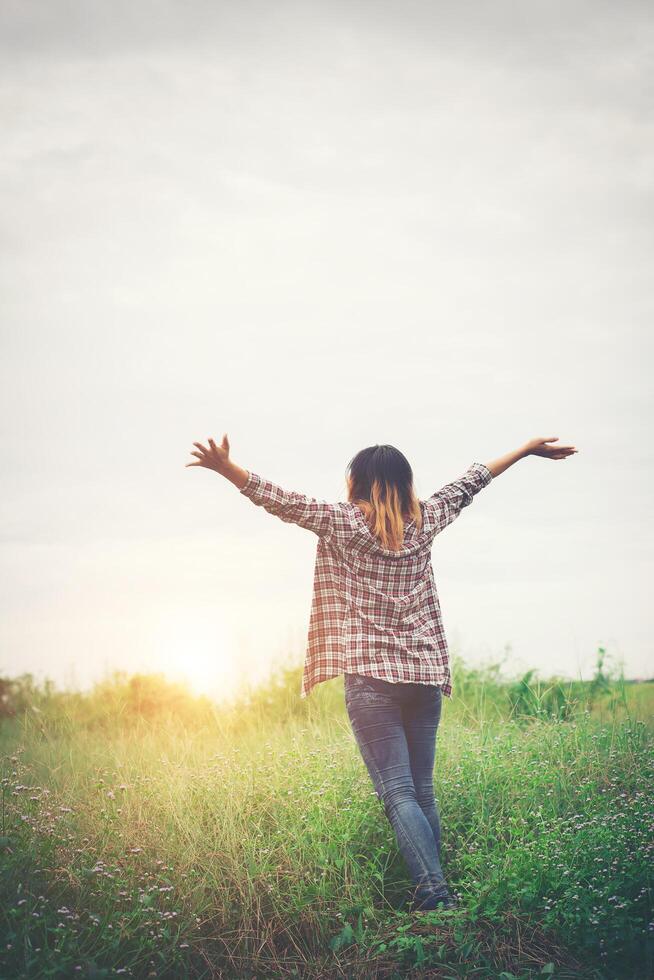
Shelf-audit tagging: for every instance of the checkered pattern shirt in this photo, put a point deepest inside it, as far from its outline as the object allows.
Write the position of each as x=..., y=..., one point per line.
x=374, y=611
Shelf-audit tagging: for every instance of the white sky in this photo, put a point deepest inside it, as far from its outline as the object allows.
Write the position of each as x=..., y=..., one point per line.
x=318, y=226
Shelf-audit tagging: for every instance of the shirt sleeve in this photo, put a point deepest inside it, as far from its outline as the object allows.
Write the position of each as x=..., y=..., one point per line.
x=446, y=504
x=290, y=506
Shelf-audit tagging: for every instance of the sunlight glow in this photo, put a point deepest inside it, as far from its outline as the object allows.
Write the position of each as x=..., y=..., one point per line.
x=195, y=646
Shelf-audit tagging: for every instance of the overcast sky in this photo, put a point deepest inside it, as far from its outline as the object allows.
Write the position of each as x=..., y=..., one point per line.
x=317, y=226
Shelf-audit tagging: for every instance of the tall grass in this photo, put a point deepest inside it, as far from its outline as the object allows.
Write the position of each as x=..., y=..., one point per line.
x=146, y=832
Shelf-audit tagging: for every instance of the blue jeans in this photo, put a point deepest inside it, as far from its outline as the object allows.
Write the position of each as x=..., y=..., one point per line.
x=395, y=728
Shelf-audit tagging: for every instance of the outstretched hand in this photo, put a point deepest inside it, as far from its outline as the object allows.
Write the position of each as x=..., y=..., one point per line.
x=540, y=447
x=215, y=457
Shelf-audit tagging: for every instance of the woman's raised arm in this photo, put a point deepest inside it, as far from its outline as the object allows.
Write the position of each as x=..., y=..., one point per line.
x=290, y=506
x=448, y=502
x=534, y=447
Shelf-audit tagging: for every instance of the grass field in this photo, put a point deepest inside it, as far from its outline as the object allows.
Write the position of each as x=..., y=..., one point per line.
x=146, y=832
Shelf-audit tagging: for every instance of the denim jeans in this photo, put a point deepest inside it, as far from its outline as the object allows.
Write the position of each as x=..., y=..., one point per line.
x=395, y=728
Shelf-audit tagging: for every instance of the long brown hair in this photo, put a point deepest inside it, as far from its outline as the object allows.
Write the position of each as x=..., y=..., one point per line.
x=380, y=482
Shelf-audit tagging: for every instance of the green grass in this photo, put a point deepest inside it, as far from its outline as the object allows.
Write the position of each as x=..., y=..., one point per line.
x=148, y=833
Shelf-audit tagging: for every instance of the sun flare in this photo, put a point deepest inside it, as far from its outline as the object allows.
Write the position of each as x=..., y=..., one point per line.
x=193, y=646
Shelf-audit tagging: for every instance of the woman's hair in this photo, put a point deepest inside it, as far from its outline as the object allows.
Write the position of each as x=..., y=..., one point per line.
x=380, y=481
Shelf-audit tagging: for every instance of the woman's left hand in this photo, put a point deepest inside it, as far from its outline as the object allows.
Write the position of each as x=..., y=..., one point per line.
x=215, y=457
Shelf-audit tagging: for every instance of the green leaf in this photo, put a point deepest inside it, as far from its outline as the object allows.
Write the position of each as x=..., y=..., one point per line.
x=344, y=938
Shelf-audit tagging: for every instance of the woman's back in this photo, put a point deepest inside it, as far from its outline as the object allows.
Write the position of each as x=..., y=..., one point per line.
x=374, y=610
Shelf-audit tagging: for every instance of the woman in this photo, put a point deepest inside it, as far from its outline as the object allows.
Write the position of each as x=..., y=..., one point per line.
x=375, y=617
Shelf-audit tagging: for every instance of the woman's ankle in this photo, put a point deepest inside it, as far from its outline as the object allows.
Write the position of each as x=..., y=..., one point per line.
x=422, y=894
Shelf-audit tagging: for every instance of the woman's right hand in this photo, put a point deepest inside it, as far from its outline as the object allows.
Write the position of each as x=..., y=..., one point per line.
x=540, y=447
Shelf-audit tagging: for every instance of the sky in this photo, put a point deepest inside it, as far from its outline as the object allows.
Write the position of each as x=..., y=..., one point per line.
x=317, y=226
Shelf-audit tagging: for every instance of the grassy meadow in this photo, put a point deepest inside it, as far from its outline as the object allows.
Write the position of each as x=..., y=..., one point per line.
x=147, y=832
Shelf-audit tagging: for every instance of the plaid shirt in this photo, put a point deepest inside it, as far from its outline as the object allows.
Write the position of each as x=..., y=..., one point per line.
x=374, y=611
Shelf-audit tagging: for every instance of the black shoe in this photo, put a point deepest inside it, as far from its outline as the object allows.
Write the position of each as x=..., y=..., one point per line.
x=433, y=902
